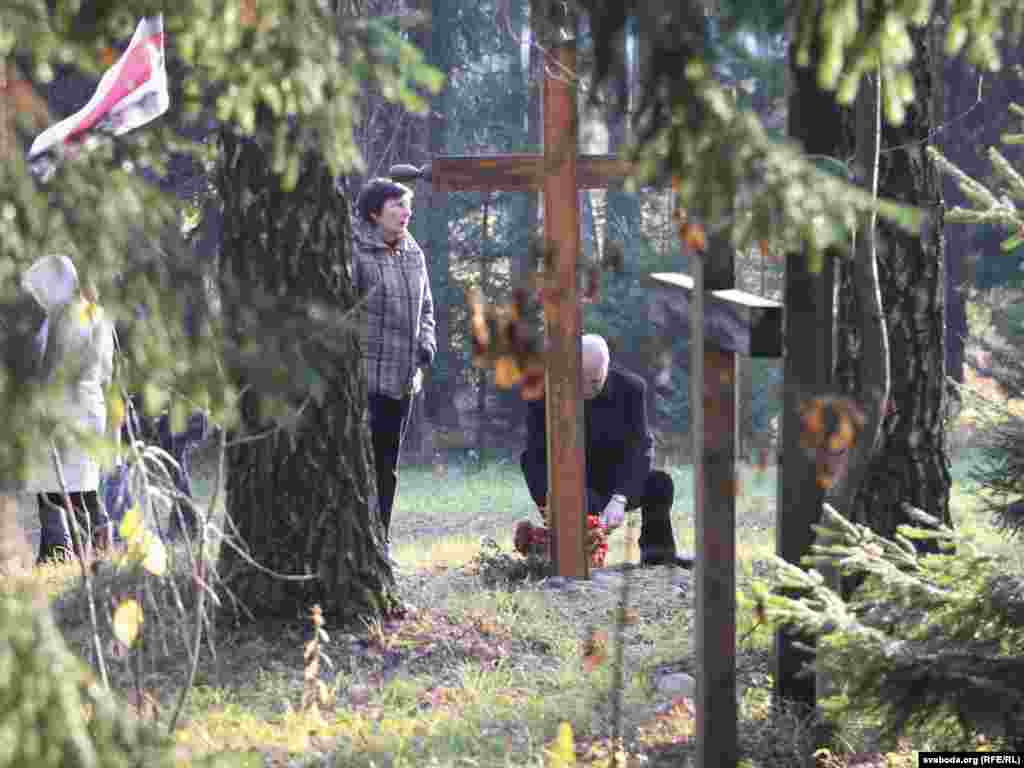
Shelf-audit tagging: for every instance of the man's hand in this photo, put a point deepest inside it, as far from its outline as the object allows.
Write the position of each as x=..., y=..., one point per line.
x=416, y=384
x=614, y=512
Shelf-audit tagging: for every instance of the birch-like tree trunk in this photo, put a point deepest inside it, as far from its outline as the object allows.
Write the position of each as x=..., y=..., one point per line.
x=911, y=463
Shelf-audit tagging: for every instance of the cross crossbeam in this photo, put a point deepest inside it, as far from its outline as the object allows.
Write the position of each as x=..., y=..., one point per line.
x=519, y=172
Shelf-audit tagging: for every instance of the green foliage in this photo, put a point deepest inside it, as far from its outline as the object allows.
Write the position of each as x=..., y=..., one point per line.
x=931, y=643
x=878, y=39
x=1001, y=472
x=1000, y=469
x=991, y=206
x=53, y=712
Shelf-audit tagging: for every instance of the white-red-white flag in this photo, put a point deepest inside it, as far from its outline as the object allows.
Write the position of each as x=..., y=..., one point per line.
x=131, y=93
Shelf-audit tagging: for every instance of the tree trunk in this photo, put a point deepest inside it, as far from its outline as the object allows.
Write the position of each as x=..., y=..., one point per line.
x=816, y=121
x=485, y=257
x=912, y=464
x=623, y=222
x=301, y=502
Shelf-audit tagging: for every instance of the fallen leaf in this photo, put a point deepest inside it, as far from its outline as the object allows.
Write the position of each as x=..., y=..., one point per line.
x=694, y=236
x=144, y=703
x=562, y=754
x=359, y=695
x=127, y=622
x=595, y=650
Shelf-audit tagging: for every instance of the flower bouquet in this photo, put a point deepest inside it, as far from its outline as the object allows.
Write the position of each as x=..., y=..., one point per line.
x=530, y=539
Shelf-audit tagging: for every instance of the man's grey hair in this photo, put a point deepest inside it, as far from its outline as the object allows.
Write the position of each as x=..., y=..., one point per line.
x=596, y=344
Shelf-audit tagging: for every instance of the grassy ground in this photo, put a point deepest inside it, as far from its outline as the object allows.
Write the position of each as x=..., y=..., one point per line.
x=473, y=676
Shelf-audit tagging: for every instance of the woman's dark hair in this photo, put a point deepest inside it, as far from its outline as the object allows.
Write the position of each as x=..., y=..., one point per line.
x=375, y=193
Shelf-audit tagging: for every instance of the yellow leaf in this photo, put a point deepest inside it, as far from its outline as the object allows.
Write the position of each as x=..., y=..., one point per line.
x=115, y=413
x=131, y=524
x=155, y=559
x=563, y=753
x=127, y=621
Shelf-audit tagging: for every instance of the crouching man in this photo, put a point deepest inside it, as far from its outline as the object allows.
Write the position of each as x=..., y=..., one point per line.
x=619, y=455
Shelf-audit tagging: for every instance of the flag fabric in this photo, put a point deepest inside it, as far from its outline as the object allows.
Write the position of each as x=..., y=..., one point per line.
x=131, y=93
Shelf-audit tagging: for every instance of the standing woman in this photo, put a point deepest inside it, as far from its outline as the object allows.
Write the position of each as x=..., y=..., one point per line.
x=78, y=347
x=397, y=323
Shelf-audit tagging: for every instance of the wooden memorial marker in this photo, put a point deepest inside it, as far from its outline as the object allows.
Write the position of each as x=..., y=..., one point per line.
x=725, y=324
x=560, y=172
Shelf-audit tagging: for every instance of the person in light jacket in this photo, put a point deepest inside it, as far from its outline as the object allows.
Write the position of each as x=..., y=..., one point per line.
x=77, y=346
x=396, y=322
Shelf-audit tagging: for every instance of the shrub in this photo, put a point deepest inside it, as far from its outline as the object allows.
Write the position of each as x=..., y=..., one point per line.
x=932, y=644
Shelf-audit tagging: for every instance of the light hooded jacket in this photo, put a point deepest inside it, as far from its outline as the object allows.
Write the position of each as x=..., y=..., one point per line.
x=78, y=342
x=396, y=310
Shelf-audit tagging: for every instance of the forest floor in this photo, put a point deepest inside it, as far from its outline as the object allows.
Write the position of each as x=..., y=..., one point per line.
x=473, y=675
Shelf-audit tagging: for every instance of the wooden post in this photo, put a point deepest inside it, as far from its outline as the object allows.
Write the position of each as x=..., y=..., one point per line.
x=715, y=522
x=563, y=394
x=714, y=466
x=724, y=325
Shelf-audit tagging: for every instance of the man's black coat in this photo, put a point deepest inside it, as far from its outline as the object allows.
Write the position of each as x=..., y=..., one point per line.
x=619, y=445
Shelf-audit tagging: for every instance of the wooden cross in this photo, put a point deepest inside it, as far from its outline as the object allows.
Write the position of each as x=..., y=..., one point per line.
x=560, y=172
x=733, y=323
x=725, y=325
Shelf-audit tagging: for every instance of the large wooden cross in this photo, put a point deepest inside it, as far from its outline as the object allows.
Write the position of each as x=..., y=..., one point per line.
x=733, y=323
x=560, y=172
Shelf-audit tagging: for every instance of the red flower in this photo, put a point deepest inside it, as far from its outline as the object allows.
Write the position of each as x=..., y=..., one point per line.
x=533, y=539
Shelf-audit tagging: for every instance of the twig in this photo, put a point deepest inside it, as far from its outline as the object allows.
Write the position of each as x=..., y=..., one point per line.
x=201, y=596
x=86, y=580
x=874, y=364
x=248, y=559
x=139, y=651
x=620, y=645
